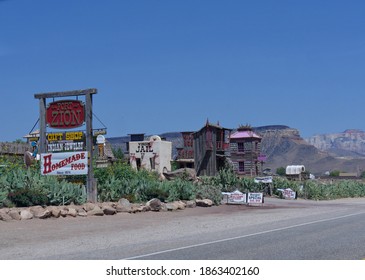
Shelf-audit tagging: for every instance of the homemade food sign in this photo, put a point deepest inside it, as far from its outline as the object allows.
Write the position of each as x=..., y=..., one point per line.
x=66, y=150
x=64, y=163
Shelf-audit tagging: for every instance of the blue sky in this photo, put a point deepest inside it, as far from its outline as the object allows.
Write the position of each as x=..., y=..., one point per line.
x=164, y=65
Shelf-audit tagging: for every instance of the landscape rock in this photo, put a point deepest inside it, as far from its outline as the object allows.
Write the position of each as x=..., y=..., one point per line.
x=5, y=216
x=186, y=173
x=96, y=212
x=124, y=206
x=180, y=205
x=37, y=211
x=109, y=210
x=122, y=209
x=190, y=204
x=124, y=202
x=64, y=212
x=88, y=206
x=44, y=215
x=154, y=204
x=14, y=214
x=55, y=211
x=82, y=213
x=26, y=215
x=72, y=212
x=172, y=206
x=204, y=202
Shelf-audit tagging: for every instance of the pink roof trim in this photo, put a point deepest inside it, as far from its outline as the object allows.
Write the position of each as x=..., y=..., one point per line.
x=244, y=134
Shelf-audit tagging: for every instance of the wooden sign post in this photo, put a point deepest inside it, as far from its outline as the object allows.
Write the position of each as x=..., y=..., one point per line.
x=69, y=119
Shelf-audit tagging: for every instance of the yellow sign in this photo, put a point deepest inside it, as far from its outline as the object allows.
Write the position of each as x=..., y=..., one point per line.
x=74, y=135
x=67, y=136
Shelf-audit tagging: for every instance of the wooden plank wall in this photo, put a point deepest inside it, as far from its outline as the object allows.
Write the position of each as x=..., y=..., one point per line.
x=7, y=148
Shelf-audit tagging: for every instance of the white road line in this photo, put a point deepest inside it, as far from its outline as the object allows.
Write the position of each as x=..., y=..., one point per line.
x=243, y=236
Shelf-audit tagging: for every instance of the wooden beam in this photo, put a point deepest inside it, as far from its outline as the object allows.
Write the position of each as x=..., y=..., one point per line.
x=42, y=126
x=66, y=93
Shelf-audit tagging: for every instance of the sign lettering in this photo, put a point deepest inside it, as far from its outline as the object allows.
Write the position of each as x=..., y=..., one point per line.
x=144, y=148
x=65, y=114
x=64, y=163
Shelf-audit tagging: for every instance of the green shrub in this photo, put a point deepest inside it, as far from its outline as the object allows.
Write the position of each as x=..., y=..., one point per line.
x=179, y=190
x=65, y=193
x=211, y=192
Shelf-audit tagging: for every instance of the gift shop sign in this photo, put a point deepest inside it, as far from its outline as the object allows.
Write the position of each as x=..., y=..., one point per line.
x=73, y=163
x=65, y=114
x=66, y=142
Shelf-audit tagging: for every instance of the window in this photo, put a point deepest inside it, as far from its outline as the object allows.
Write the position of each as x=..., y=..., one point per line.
x=241, y=147
x=241, y=166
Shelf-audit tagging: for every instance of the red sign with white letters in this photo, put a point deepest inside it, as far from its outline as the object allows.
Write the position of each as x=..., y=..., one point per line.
x=65, y=114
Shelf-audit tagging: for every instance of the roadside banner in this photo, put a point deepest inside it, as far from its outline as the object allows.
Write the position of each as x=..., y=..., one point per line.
x=288, y=193
x=73, y=163
x=265, y=180
x=235, y=197
x=255, y=198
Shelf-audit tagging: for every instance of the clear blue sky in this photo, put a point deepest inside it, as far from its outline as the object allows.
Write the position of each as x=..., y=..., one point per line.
x=164, y=65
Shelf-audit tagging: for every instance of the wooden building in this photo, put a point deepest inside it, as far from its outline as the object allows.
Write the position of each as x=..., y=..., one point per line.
x=245, y=148
x=211, y=145
x=185, y=153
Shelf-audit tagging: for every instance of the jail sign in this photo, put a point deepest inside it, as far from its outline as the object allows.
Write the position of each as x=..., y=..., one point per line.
x=74, y=163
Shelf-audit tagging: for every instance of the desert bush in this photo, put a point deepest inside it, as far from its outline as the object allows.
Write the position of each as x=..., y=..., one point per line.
x=179, y=190
x=227, y=179
x=24, y=188
x=212, y=192
x=249, y=185
x=65, y=193
x=27, y=187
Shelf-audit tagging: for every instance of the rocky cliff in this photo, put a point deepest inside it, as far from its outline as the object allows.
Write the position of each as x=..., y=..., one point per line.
x=284, y=146
x=350, y=143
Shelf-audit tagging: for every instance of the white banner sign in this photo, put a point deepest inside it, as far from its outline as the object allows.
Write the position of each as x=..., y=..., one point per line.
x=253, y=198
x=75, y=163
x=235, y=197
x=265, y=180
x=288, y=193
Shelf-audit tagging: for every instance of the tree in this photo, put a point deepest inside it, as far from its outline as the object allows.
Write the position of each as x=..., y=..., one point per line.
x=335, y=173
x=118, y=153
x=281, y=171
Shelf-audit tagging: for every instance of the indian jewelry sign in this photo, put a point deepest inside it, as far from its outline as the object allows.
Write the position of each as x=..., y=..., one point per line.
x=65, y=114
x=66, y=142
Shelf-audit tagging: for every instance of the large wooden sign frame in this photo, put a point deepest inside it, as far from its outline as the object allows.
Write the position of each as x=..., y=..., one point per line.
x=88, y=93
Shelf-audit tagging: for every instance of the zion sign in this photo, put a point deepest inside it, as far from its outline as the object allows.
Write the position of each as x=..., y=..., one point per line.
x=65, y=114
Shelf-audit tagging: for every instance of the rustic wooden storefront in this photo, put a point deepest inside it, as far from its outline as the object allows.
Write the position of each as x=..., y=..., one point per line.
x=245, y=148
x=210, y=149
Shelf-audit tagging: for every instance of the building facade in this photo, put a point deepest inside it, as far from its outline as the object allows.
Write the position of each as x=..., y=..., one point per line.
x=245, y=150
x=185, y=153
x=152, y=155
x=211, y=147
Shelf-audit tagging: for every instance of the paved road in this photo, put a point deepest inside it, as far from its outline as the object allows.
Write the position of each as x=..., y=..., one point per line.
x=300, y=230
